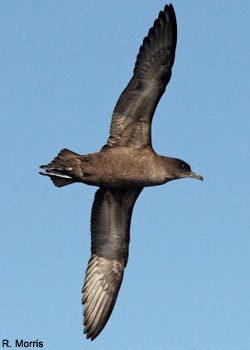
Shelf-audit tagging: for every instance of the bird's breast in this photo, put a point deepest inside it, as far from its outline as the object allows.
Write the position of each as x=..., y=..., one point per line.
x=121, y=169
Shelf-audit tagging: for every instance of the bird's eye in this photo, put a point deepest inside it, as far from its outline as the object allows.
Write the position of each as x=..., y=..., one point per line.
x=185, y=166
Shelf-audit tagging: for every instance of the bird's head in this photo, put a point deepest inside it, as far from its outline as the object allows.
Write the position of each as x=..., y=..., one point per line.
x=180, y=169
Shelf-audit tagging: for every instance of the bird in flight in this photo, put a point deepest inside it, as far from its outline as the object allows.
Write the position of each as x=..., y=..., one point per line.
x=121, y=169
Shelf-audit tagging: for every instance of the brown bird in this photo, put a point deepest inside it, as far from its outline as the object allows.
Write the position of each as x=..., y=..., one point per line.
x=123, y=167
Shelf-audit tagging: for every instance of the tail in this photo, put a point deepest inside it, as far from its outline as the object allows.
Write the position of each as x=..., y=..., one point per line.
x=59, y=170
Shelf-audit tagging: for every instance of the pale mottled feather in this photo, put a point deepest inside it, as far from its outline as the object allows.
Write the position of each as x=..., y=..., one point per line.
x=101, y=287
x=110, y=226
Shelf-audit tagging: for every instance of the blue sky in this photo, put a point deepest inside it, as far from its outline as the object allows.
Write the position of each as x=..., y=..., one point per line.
x=63, y=65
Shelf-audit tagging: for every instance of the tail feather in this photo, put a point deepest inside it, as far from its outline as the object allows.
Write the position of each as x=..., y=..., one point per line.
x=59, y=169
x=61, y=160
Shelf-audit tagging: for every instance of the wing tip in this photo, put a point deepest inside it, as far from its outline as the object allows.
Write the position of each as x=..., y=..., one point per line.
x=100, y=294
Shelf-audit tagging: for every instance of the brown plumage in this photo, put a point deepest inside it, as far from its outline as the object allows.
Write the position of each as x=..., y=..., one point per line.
x=123, y=167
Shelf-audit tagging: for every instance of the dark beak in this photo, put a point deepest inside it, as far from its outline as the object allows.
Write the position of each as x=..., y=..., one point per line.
x=195, y=176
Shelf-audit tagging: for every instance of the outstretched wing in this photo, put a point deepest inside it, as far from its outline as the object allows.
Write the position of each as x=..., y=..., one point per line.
x=110, y=226
x=133, y=113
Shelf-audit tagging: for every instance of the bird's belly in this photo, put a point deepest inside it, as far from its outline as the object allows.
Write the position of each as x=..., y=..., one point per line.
x=125, y=179
x=121, y=169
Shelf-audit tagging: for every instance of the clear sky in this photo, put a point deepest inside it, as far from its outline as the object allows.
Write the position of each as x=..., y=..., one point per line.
x=63, y=65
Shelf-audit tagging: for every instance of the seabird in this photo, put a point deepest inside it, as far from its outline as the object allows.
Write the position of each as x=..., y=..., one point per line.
x=121, y=169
